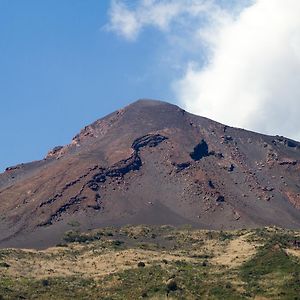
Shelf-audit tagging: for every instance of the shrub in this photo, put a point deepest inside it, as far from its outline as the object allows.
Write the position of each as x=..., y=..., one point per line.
x=45, y=282
x=75, y=236
x=117, y=243
x=171, y=285
x=141, y=264
x=4, y=265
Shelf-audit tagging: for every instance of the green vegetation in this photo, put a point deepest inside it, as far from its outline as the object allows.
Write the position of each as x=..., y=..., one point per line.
x=74, y=223
x=143, y=262
x=272, y=265
x=75, y=236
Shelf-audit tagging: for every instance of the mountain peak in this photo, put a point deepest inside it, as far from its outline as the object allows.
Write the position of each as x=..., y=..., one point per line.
x=149, y=102
x=152, y=163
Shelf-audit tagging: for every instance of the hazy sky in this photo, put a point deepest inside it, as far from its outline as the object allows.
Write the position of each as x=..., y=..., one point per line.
x=66, y=63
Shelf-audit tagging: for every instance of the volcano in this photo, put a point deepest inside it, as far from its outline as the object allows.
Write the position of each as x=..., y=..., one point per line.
x=152, y=163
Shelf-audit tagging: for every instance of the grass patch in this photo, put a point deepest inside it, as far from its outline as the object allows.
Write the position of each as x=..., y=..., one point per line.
x=155, y=262
x=272, y=263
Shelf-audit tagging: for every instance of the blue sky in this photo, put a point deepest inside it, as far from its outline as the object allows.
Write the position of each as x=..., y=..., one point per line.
x=59, y=71
x=66, y=63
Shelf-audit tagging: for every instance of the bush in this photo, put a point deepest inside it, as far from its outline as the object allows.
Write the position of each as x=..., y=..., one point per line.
x=45, y=282
x=171, y=285
x=117, y=243
x=4, y=265
x=74, y=236
x=141, y=264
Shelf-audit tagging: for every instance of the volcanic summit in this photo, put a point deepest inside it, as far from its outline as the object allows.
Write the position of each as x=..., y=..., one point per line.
x=152, y=163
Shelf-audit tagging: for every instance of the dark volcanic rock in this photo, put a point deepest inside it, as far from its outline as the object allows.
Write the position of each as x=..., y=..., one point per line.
x=200, y=151
x=145, y=164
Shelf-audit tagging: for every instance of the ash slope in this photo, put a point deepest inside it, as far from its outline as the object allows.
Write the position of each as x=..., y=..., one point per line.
x=152, y=163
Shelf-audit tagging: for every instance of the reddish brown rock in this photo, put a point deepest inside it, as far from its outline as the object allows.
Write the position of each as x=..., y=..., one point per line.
x=152, y=163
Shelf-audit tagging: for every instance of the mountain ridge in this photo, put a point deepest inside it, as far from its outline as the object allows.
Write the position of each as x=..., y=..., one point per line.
x=152, y=162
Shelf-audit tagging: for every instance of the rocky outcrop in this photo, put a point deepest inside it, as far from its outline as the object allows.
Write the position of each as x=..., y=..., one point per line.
x=101, y=175
x=67, y=186
x=182, y=166
x=97, y=129
x=284, y=141
x=150, y=140
x=17, y=167
x=200, y=151
x=55, y=152
x=288, y=162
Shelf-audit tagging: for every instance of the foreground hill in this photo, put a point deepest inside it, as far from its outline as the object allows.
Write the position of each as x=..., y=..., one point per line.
x=157, y=262
x=152, y=163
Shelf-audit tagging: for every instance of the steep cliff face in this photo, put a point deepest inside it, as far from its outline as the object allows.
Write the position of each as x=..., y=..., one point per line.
x=154, y=163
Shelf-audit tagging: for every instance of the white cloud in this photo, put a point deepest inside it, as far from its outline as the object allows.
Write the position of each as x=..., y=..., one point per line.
x=123, y=21
x=129, y=21
x=252, y=78
x=251, y=74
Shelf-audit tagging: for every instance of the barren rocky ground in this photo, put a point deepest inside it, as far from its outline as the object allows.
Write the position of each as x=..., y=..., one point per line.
x=152, y=163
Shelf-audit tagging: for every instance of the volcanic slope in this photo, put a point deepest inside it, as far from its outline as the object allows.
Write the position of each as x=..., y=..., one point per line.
x=152, y=163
